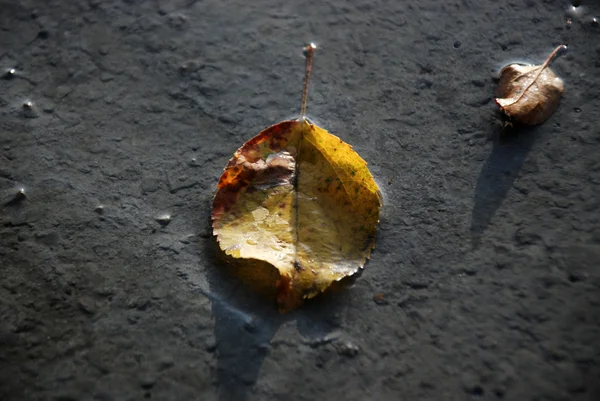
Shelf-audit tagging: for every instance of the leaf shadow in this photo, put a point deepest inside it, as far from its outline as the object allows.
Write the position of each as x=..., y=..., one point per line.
x=508, y=155
x=246, y=317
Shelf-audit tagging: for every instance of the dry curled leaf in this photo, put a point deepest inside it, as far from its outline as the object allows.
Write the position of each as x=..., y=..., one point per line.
x=529, y=94
x=301, y=199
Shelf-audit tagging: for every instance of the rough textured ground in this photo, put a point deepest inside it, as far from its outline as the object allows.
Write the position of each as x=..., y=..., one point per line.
x=488, y=251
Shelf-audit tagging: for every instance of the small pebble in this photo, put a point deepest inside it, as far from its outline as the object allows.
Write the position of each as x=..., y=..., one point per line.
x=471, y=385
x=48, y=107
x=416, y=284
x=106, y=77
x=379, y=299
x=164, y=220
x=87, y=305
x=166, y=363
x=104, y=291
x=211, y=344
x=577, y=276
x=329, y=338
x=250, y=325
x=347, y=348
x=133, y=319
x=147, y=381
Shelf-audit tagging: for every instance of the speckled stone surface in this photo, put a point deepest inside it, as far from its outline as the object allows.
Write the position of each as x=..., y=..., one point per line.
x=485, y=283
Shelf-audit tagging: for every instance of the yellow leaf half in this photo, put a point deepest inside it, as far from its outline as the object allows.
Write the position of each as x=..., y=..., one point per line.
x=302, y=200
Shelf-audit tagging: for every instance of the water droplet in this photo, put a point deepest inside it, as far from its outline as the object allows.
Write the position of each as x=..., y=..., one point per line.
x=577, y=110
x=28, y=109
x=164, y=219
x=457, y=44
x=10, y=73
x=14, y=197
x=99, y=209
x=595, y=21
x=574, y=10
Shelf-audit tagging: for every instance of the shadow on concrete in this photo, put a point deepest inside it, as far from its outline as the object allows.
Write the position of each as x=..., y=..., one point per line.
x=242, y=293
x=498, y=174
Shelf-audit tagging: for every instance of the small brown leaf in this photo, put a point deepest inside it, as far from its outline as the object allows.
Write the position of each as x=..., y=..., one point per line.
x=529, y=94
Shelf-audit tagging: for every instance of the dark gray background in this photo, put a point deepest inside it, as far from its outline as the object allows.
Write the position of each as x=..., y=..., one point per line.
x=488, y=250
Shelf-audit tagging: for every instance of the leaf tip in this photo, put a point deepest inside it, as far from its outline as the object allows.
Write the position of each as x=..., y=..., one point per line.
x=311, y=47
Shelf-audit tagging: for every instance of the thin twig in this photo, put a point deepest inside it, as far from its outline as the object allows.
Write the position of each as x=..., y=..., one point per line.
x=309, y=52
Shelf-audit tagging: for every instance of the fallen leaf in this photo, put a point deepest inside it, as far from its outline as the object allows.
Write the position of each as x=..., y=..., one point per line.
x=302, y=200
x=529, y=94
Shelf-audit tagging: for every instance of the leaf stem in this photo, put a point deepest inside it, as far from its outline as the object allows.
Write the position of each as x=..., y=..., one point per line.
x=297, y=206
x=552, y=55
x=309, y=51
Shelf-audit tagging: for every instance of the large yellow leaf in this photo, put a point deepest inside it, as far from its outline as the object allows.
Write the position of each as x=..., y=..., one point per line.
x=302, y=200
